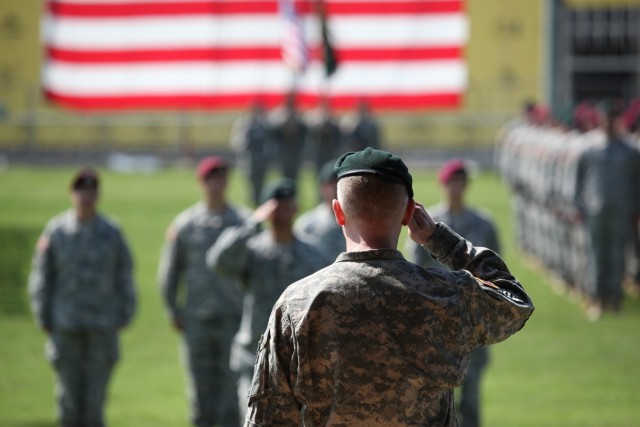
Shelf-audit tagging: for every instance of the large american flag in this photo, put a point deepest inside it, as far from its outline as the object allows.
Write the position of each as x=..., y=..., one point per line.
x=224, y=54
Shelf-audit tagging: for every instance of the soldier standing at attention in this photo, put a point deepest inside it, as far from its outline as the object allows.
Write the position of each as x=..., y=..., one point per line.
x=82, y=294
x=372, y=339
x=252, y=139
x=480, y=230
x=363, y=131
x=209, y=314
x=290, y=133
x=265, y=262
x=607, y=199
x=325, y=137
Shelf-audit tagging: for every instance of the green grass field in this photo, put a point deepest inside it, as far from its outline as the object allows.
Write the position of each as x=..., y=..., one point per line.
x=560, y=370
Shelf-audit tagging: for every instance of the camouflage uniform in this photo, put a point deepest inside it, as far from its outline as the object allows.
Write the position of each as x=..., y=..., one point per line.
x=608, y=196
x=264, y=268
x=321, y=224
x=376, y=340
x=210, y=313
x=82, y=293
x=479, y=229
x=290, y=132
x=325, y=137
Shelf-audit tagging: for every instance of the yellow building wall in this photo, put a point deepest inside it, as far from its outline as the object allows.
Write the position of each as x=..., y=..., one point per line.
x=505, y=54
x=20, y=53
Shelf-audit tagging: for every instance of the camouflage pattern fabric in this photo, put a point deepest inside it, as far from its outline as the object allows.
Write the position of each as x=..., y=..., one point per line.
x=374, y=340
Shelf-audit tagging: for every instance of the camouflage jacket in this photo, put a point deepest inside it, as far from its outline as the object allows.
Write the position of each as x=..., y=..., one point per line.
x=183, y=266
x=81, y=276
x=374, y=340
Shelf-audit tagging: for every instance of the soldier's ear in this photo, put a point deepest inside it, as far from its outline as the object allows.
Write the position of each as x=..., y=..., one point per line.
x=408, y=213
x=337, y=211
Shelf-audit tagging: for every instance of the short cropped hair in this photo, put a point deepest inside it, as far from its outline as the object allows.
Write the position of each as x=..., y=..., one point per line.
x=370, y=198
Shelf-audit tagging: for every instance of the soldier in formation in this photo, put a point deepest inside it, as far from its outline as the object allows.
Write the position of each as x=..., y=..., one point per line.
x=264, y=262
x=290, y=132
x=325, y=137
x=374, y=339
x=562, y=181
x=209, y=314
x=82, y=295
x=478, y=228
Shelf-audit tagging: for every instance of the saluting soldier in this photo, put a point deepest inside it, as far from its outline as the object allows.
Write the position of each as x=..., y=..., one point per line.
x=372, y=339
x=264, y=262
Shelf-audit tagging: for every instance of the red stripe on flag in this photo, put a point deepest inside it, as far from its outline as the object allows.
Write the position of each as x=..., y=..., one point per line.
x=165, y=55
x=242, y=7
x=241, y=101
x=255, y=53
x=132, y=9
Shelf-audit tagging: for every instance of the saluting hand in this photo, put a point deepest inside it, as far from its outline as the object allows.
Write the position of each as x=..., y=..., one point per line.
x=264, y=211
x=421, y=226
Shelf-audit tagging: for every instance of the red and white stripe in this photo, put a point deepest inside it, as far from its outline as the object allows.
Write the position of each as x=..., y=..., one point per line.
x=110, y=54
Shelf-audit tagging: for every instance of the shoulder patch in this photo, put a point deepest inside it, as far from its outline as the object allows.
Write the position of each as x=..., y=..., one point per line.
x=171, y=234
x=500, y=293
x=43, y=243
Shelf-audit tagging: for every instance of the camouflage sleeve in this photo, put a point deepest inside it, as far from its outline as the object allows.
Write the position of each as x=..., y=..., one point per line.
x=271, y=398
x=228, y=255
x=41, y=280
x=498, y=303
x=124, y=283
x=417, y=255
x=170, y=271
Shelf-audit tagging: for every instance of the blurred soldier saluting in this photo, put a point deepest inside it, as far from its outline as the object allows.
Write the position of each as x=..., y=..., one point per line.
x=82, y=293
x=264, y=262
x=209, y=315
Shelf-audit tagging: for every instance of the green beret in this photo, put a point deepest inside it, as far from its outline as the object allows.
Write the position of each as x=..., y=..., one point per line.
x=282, y=189
x=380, y=163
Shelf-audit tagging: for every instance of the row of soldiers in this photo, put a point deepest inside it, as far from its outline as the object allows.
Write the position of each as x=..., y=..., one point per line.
x=285, y=138
x=576, y=199
x=221, y=270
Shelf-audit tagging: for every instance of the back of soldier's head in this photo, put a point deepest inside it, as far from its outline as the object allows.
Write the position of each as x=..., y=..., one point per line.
x=371, y=199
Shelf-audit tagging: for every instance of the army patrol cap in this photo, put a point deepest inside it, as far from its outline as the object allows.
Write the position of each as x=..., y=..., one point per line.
x=375, y=162
x=279, y=190
x=85, y=178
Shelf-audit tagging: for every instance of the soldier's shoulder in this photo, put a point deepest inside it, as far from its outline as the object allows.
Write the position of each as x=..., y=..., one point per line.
x=109, y=223
x=186, y=216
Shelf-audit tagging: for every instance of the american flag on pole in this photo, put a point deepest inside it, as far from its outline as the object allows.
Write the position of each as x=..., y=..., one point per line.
x=295, y=52
x=224, y=54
